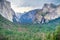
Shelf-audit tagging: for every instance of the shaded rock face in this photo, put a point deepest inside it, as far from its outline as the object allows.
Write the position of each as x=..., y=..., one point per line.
x=28, y=17
x=6, y=10
x=16, y=17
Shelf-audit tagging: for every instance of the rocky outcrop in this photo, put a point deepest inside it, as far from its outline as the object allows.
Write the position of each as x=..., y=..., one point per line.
x=6, y=10
x=50, y=12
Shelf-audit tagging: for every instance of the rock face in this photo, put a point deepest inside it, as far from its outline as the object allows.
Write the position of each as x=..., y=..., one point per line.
x=6, y=10
x=50, y=11
x=16, y=17
x=44, y=15
x=28, y=17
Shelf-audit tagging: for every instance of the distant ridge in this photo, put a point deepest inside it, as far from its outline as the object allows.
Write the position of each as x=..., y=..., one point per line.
x=44, y=15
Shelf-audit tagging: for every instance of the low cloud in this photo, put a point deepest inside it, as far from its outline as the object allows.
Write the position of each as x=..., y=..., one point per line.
x=21, y=9
x=26, y=5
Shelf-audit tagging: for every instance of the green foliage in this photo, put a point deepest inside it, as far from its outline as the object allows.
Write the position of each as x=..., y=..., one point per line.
x=57, y=33
x=11, y=31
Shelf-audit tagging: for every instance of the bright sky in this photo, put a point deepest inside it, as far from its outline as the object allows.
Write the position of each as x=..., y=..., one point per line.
x=22, y=9
x=22, y=6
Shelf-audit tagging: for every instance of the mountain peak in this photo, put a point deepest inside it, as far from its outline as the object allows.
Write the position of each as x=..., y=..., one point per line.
x=6, y=10
x=47, y=13
x=50, y=5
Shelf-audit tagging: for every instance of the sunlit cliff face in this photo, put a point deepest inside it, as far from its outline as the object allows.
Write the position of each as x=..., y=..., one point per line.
x=55, y=13
x=58, y=10
x=6, y=10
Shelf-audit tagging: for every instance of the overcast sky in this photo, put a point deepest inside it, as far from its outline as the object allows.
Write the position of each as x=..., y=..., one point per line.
x=26, y=5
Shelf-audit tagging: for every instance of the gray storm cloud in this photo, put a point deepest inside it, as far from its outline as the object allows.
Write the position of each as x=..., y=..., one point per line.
x=32, y=3
x=25, y=5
